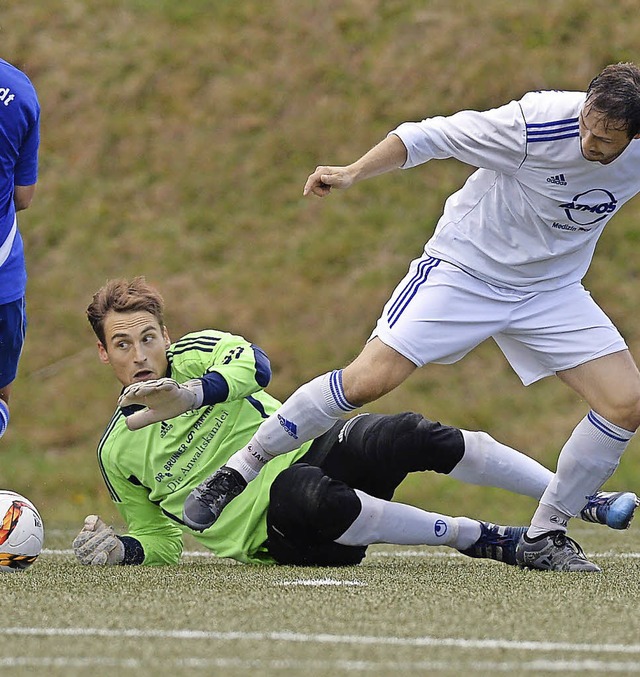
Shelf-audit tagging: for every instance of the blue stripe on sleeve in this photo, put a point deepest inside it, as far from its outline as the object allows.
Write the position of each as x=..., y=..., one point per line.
x=263, y=366
x=257, y=405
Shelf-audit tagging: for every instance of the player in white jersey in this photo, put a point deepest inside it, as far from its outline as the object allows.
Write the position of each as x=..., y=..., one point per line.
x=506, y=261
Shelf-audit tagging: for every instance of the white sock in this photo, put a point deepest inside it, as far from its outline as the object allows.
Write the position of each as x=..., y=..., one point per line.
x=383, y=521
x=4, y=417
x=307, y=414
x=249, y=460
x=587, y=460
x=487, y=462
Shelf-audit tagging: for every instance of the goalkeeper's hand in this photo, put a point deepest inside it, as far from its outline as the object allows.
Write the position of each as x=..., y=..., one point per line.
x=97, y=543
x=164, y=399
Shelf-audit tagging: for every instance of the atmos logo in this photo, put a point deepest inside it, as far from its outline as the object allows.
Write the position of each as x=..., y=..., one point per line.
x=590, y=207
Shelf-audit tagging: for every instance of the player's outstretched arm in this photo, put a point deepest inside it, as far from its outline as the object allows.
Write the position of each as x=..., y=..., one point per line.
x=98, y=543
x=164, y=399
x=389, y=154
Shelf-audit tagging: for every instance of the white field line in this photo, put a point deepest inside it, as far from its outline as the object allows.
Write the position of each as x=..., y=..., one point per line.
x=319, y=582
x=309, y=666
x=324, y=638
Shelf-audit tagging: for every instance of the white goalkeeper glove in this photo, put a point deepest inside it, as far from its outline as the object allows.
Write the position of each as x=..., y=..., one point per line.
x=164, y=399
x=97, y=543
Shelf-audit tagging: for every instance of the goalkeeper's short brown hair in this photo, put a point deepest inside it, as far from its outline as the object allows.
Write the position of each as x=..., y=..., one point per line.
x=124, y=296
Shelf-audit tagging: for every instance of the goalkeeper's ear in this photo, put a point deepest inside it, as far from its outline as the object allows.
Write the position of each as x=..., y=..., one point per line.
x=102, y=353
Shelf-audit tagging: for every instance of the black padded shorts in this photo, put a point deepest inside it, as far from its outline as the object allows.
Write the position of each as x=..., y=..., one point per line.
x=313, y=502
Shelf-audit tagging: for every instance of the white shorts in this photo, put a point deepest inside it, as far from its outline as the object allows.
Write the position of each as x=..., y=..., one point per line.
x=438, y=313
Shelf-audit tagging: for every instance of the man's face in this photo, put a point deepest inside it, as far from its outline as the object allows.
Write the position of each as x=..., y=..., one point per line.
x=135, y=346
x=601, y=140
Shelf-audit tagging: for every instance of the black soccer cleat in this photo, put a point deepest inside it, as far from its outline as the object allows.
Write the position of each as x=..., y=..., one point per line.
x=553, y=551
x=496, y=542
x=205, y=503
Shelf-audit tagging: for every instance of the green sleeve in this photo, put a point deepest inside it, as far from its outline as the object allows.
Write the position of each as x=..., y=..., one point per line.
x=160, y=537
x=244, y=367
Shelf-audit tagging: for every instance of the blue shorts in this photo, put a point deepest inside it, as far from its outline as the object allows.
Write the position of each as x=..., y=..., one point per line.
x=13, y=326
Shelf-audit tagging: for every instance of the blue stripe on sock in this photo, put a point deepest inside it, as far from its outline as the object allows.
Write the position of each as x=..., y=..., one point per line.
x=4, y=417
x=335, y=384
x=601, y=425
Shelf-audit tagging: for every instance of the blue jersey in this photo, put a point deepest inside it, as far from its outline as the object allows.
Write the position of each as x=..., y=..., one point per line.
x=19, y=141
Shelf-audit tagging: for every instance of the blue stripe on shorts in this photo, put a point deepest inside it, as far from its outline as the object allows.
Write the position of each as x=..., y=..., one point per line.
x=404, y=297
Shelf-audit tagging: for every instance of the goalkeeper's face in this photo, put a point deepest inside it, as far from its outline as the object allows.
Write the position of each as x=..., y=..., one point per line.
x=135, y=346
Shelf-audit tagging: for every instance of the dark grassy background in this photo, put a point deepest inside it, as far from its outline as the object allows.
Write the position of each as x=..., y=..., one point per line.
x=176, y=138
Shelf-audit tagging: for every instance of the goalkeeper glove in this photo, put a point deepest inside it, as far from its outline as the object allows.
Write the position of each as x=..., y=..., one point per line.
x=97, y=543
x=164, y=399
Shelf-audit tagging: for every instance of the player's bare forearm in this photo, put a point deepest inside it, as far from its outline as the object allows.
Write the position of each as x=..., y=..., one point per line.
x=389, y=154
x=22, y=196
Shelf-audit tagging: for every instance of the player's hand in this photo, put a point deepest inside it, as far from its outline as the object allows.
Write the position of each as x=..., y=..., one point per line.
x=324, y=179
x=164, y=399
x=97, y=543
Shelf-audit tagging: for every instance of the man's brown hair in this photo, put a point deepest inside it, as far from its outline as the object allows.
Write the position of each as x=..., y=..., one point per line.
x=615, y=93
x=124, y=296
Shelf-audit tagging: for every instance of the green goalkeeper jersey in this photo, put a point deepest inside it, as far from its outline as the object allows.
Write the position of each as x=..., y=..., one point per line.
x=150, y=472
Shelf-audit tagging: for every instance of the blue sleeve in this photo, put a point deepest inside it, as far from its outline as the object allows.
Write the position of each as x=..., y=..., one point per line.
x=26, y=170
x=215, y=388
x=263, y=367
x=215, y=385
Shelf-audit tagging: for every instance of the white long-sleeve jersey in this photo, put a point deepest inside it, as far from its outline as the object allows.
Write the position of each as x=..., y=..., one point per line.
x=530, y=216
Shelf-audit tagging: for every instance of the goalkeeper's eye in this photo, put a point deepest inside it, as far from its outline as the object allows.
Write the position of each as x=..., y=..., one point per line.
x=150, y=337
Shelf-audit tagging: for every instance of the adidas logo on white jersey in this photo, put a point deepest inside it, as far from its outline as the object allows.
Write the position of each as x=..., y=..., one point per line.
x=559, y=180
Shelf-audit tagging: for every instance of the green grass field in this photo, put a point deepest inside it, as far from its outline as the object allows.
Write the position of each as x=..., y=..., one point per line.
x=403, y=611
x=176, y=139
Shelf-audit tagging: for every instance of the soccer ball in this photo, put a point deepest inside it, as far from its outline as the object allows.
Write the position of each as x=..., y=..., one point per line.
x=21, y=532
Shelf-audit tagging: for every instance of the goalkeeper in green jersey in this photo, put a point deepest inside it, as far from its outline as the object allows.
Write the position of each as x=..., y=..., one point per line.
x=187, y=406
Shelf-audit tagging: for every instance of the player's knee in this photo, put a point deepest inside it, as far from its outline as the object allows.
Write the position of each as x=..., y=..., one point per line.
x=321, y=506
x=627, y=415
x=623, y=409
x=440, y=446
